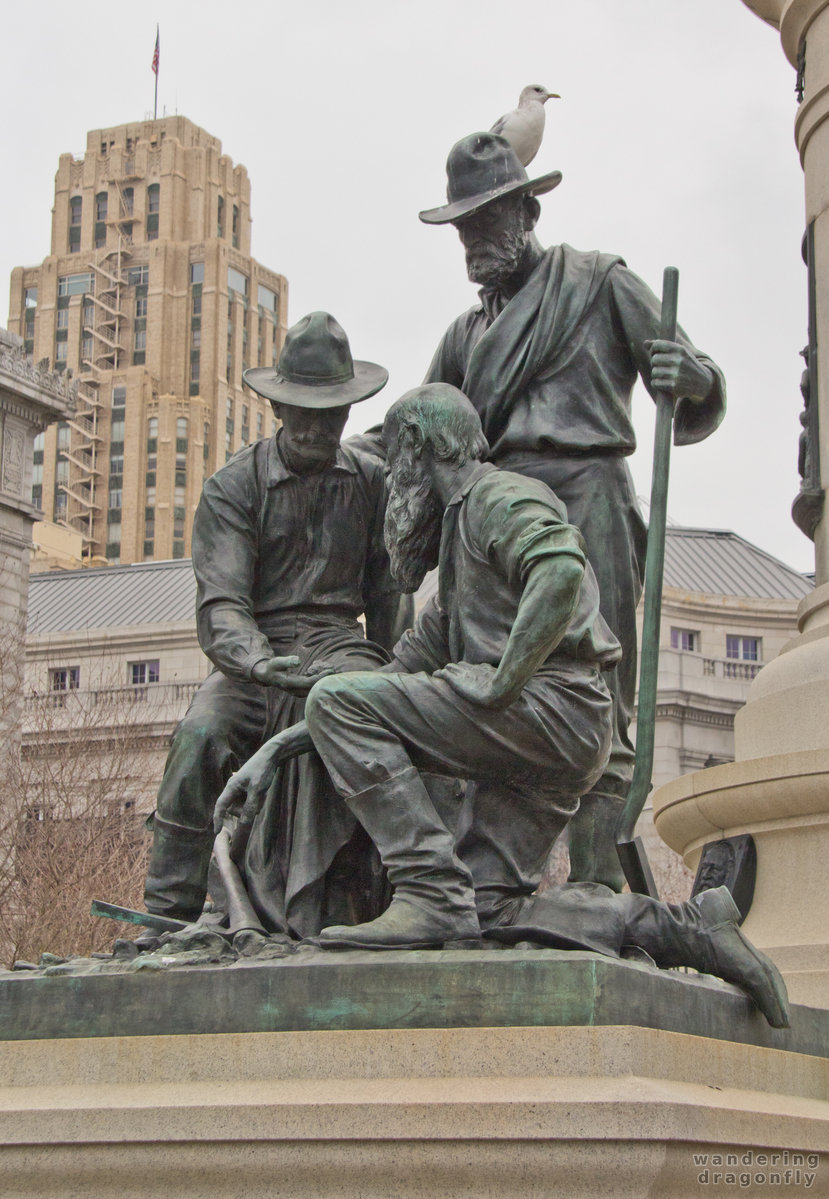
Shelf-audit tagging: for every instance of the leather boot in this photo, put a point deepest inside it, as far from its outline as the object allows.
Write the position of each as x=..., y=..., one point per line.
x=592, y=840
x=177, y=876
x=434, y=901
x=704, y=933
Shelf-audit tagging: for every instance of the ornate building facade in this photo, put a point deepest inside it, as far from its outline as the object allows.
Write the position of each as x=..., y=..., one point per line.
x=151, y=298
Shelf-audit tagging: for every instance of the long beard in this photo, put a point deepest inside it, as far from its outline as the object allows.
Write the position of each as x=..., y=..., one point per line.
x=412, y=526
x=490, y=263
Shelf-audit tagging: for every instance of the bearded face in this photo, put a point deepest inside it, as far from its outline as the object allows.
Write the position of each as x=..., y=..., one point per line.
x=495, y=241
x=413, y=522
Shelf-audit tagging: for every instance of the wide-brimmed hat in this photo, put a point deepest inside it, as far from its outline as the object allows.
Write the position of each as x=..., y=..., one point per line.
x=315, y=368
x=481, y=168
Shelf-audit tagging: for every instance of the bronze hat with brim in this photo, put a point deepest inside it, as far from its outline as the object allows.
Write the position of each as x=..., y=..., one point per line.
x=315, y=368
x=481, y=168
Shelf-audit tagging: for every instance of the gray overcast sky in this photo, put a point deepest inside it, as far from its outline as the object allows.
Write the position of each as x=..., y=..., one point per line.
x=674, y=135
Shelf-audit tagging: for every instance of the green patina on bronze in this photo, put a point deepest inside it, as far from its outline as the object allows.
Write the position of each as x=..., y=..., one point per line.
x=419, y=989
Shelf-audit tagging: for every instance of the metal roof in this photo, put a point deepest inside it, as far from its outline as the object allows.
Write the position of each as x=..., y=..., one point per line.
x=718, y=562
x=109, y=596
x=711, y=561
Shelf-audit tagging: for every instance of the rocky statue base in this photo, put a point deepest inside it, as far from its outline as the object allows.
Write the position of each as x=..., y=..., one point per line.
x=455, y=1073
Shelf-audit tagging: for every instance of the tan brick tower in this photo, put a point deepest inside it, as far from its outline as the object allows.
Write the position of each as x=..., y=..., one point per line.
x=151, y=298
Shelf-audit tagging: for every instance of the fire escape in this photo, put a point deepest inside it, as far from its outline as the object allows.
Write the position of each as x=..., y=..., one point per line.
x=102, y=352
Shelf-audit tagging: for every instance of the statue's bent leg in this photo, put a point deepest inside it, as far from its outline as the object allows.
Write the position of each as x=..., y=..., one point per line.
x=220, y=729
x=371, y=730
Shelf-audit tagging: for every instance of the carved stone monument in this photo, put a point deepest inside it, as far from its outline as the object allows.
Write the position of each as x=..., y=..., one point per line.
x=496, y=1069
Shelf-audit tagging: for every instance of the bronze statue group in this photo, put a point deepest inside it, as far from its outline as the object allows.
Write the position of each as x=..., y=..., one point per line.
x=448, y=753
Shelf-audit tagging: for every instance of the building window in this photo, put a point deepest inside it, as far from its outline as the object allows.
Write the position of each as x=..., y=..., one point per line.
x=748, y=649
x=235, y=227
x=75, y=285
x=220, y=218
x=197, y=300
x=196, y=339
x=30, y=297
x=150, y=498
x=140, y=339
x=142, y=673
x=128, y=197
x=117, y=428
x=181, y=435
x=197, y=272
x=119, y=397
x=115, y=496
x=138, y=276
x=259, y=426
x=140, y=306
x=686, y=640
x=87, y=350
x=153, y=208
x=60, y=353
x=62, y=318
x=65, y=678
x=236, y=281
x=75, y=214
x=100, y=220
x=152, y=435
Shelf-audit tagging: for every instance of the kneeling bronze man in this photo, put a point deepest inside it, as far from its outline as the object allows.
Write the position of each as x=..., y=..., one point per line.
x=500, y=682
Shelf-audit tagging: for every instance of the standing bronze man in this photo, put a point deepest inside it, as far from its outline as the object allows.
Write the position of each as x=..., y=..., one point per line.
x=549, y=358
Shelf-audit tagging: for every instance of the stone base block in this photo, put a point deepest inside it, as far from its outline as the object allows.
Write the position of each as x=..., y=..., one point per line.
x=370, y=1114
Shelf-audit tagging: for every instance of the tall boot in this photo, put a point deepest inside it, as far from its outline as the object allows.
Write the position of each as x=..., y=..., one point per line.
x=704, y=933
x=592, y=840
x=177, y=876
x=433, y=901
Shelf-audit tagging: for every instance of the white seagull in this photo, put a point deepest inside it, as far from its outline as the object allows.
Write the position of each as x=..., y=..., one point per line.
x=524, y=126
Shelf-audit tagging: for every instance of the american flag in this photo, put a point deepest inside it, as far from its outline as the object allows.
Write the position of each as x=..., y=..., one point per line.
x=156, y=53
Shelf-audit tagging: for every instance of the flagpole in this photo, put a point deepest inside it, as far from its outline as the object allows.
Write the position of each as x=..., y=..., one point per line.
x=156, y=62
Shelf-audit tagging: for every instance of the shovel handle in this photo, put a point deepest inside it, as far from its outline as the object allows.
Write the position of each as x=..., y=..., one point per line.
x=654, y=569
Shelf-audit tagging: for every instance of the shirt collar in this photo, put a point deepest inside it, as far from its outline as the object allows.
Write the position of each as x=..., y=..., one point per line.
x=481, y=469
x=492, y=302
x=278, y=472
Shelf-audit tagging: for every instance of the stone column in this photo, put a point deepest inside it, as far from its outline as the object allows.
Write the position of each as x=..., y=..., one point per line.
x=30, y=399
x=778, y=787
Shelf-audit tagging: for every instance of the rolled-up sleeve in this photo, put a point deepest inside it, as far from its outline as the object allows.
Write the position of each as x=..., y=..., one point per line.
x=638, y=314
x=225, y=555
x=519, y=529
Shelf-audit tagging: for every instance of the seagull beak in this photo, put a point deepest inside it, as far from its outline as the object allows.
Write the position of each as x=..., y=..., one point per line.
x=552, y=96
